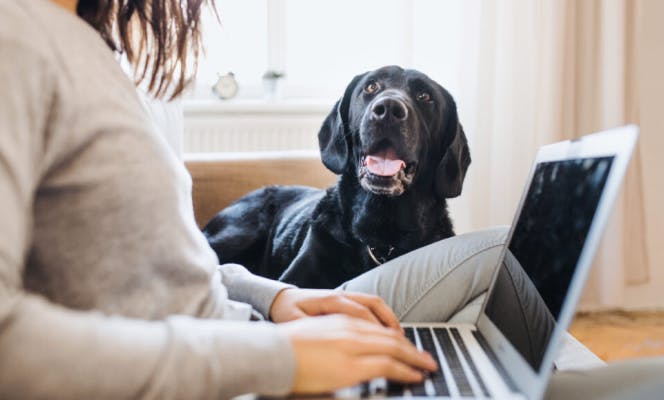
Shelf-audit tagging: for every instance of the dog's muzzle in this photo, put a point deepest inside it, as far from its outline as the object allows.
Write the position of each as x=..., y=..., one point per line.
x=383, y=172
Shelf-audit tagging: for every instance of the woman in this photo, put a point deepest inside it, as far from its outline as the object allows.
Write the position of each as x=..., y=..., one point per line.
x=97, y=217
x=108, y=289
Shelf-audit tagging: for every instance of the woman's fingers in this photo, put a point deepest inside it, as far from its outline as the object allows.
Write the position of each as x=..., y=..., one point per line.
x=339, y=304
x=291, y=304
x=370, y=367
x=372, y=339
x=367, y=330
x=367, y=307
x=398, y=350
x=377, y=307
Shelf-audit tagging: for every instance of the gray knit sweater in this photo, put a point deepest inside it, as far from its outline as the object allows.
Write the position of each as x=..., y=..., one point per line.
x=107, y=287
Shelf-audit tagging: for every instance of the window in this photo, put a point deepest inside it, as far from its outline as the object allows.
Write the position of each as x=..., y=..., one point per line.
x=322, y=44
x=239, y=45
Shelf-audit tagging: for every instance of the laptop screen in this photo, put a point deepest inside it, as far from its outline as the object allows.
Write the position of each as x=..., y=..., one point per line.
x=546, y=244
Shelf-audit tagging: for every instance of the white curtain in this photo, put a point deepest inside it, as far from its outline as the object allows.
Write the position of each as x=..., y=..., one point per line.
x=551, y=70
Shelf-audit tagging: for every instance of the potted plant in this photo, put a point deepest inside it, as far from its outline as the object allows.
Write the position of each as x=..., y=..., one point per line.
x=271, y=84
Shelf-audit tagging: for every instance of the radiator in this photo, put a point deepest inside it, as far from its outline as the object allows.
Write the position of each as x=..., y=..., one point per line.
x=248, y=128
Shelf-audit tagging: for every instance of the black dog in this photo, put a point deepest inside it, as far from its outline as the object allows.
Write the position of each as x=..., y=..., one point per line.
x=395, y=139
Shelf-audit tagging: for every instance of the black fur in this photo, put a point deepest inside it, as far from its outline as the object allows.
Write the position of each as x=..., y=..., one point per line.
x=316, y=238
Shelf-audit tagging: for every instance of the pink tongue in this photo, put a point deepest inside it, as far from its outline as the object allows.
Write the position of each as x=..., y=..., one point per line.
x=383, y=166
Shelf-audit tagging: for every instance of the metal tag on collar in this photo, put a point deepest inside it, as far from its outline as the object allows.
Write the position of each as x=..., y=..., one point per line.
x=382, y=259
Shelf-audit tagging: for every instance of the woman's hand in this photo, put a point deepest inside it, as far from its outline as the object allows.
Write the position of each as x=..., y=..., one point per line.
x=292, y=304
x=332, y=352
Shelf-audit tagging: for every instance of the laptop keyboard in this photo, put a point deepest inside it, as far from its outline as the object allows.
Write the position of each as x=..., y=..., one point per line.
x=439, y=342
x=471, y=364
x=453, y=361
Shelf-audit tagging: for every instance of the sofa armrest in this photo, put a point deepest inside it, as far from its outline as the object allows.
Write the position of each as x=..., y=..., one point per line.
x=220, y=178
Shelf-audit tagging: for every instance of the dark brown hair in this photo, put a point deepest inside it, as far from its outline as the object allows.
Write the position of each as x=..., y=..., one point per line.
x=160, y=38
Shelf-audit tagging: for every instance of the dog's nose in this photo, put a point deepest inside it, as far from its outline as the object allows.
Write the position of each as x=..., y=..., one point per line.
x=387, y=108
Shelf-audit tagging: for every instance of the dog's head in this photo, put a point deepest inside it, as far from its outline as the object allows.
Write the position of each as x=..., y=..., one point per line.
x=393, y=127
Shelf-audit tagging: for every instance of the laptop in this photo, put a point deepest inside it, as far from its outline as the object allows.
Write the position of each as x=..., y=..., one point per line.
x=553, y=239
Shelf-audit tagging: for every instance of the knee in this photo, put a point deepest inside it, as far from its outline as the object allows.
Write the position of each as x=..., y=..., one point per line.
x=471, y=243
x=458, y=269
x=493, y=235
x=476, y=251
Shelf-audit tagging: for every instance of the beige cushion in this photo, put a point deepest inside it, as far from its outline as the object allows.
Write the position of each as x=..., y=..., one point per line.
x=221, y=178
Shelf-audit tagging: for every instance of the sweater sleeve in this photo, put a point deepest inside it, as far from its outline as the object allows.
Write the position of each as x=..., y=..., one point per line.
x=48, y=351
x=249, y=288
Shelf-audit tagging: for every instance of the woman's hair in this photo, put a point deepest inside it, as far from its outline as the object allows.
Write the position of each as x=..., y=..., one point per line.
x=160, y=38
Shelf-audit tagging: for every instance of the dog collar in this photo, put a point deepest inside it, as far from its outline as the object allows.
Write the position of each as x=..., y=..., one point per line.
x=380, y=260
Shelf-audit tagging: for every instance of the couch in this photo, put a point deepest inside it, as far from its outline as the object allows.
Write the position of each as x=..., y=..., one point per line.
x=221, y=178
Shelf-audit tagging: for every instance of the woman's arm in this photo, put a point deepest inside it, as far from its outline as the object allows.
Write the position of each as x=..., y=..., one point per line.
x=246, y=287
x=51, y=352
x=47, y=351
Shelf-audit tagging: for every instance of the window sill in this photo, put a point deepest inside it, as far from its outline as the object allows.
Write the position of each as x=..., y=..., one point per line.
x=193, y=107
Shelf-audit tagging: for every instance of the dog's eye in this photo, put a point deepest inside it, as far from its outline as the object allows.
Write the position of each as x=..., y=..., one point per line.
x=424, y=96
x=372, y=87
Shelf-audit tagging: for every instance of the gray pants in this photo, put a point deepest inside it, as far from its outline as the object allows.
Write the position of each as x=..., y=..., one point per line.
x=447, y=281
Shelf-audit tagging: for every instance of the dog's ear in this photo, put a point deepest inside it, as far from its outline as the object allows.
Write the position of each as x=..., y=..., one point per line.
x=451, y=170
x=333, y=137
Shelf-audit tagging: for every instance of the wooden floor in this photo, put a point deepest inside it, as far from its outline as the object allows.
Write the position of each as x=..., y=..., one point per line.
x=620, y=335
